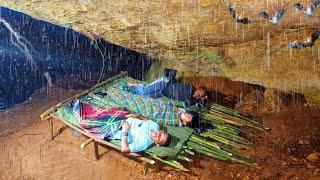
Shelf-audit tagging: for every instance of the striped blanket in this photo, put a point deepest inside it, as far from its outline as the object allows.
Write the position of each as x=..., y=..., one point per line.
x=162, y=112
x=99, y=121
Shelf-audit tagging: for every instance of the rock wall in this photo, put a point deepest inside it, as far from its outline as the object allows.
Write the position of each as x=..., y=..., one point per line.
x=200, y=38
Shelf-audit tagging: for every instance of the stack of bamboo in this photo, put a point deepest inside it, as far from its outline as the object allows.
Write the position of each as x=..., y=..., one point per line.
x=224, y=142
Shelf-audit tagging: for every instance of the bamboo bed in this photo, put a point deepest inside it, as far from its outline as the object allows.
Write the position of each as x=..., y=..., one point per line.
x=48, y=115
x=222, y=143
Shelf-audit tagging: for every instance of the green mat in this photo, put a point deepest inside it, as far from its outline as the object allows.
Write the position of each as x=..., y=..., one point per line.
x=66, y=114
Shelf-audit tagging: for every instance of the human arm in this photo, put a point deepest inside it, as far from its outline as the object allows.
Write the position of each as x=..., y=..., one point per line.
x=124, y=140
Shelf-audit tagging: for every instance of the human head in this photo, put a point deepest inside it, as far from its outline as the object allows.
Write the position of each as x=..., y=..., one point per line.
x=189, y=118
x=186, y=117
x=160, y=137
x=200, y=93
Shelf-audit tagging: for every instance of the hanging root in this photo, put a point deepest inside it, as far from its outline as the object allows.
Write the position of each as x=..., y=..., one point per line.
x=96, y=46
x=20, y=42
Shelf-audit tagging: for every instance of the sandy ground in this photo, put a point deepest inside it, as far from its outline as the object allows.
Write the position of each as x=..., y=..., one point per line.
x=26, y=152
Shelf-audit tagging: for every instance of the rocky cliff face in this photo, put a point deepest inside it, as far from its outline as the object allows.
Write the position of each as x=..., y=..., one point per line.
x=200, y=37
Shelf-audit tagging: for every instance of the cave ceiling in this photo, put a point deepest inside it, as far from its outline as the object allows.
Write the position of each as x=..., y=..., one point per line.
x=199, y=37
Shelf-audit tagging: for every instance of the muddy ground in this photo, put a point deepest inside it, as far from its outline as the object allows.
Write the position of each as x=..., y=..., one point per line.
x=287, y=151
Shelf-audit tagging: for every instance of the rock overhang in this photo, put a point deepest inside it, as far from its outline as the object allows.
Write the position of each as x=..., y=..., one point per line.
x=199, y=37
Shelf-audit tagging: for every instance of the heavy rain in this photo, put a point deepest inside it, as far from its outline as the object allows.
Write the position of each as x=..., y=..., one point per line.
x=167, y=89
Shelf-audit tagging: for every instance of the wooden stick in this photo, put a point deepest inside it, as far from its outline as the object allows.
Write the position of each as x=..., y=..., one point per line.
x=96, y=150
x=84, y=144
x=46, y=118
x=150, y=161
x=47, y=113
x=50, y=129
x=145, y=168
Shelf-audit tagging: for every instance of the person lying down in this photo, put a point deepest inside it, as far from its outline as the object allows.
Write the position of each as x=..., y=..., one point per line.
x=117, y=123
x=161, y=111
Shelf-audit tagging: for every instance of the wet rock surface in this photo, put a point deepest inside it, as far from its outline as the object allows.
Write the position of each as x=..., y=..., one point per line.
x=200, y=38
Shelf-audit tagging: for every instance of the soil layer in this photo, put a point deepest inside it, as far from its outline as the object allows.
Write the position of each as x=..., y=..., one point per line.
x=282, y=152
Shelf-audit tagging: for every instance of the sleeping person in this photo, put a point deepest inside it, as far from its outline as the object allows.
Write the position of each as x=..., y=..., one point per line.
x=169, y=87
x=117, y=123
x=161, y=111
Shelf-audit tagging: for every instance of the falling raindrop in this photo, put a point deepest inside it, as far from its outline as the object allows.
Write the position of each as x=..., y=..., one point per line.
x=268, y=52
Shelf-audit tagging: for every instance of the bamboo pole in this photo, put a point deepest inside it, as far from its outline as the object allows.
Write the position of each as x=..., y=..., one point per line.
x=145, y=168
x=50, y=128
x=84, y=144
x=46, y=113
x=96, y=150
x=150, y=161
x=172, y=163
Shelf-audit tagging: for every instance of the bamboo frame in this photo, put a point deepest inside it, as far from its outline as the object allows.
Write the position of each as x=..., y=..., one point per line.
x=84, y=144
x=51, y=128
x=96, y=150
x=145, y=168
x=54, y=108
x=48, y=115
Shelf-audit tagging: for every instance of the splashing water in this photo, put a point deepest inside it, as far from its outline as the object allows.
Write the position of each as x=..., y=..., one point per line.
x=20, y=42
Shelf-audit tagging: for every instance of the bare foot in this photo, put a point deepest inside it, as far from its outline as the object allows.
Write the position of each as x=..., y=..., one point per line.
x=131, y=84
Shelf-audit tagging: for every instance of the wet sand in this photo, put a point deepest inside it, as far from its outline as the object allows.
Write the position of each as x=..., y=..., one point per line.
x=26, y=152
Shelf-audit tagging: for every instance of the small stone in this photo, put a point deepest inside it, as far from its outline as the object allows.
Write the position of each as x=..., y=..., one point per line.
x=246, y=178
x=313, y=157
x=304, y=142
